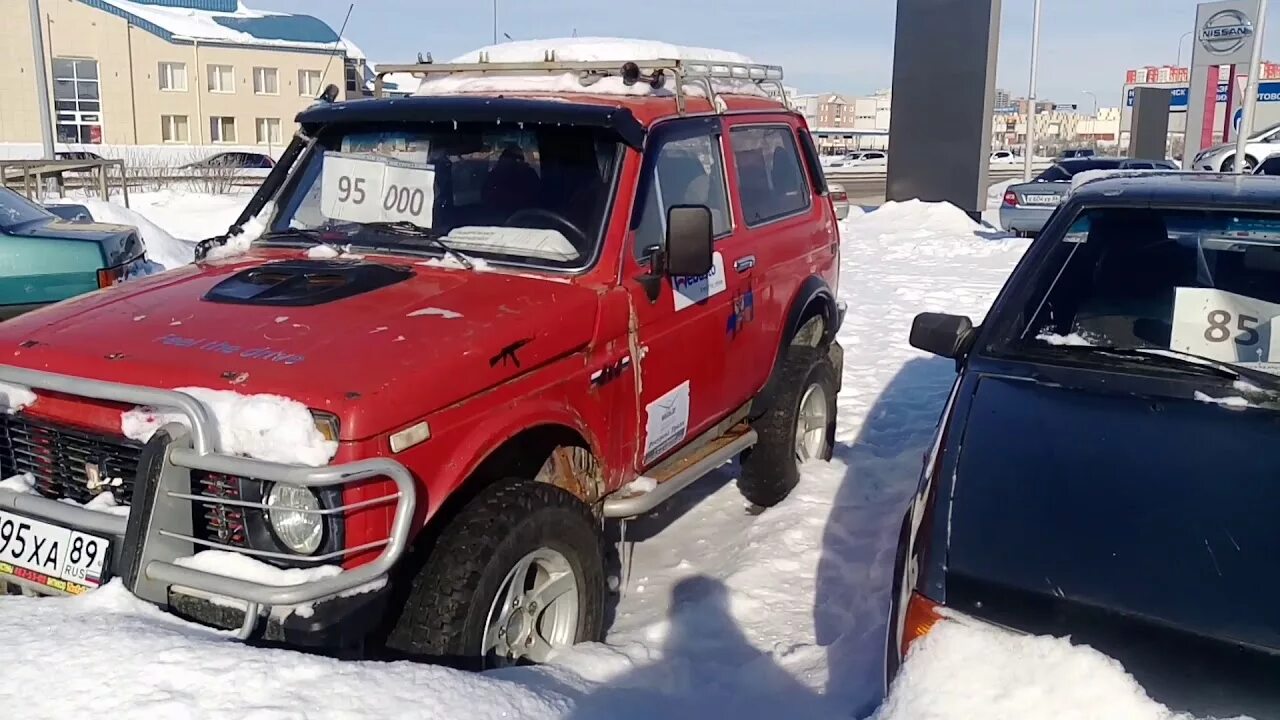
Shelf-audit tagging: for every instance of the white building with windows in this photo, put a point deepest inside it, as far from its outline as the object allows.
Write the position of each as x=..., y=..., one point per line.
x=176, y=72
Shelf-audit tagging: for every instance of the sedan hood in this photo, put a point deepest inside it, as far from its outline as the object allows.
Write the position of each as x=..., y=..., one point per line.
x=378, y=358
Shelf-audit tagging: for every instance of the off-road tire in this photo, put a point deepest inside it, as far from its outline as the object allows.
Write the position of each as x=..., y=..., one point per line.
x=769, y=470
x=448, y=597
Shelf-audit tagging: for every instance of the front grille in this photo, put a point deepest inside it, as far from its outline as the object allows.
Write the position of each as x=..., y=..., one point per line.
x=218, y=522
x=64, y=460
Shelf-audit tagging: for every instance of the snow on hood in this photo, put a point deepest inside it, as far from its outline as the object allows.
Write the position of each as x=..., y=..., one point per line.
x=264, y=427
x=964, y=669
x=585, y=49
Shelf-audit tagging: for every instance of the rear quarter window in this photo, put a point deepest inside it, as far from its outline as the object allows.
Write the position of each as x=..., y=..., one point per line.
x=771, y=178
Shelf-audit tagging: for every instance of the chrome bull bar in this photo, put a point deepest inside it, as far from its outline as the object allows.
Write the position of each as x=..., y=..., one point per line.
x=159, y=530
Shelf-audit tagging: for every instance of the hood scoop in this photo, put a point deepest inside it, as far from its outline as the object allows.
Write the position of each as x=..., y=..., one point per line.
x=297, y=283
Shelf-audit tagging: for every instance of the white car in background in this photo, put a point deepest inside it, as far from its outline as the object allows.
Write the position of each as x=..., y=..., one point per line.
x=1004, y=157
x=1221, y=158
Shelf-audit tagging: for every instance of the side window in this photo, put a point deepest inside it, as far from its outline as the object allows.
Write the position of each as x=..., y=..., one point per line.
x=685, y=169
x=1140, y=166
x=770, y=178
x=1270, y=166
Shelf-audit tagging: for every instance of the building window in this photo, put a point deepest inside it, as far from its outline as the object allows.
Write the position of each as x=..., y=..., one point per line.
x=309, y=83
x=77, y=100
x=222, y=79
x=268, y=131
x=266, y=81
x=173, y=76
x=222, y=129
x=173, y=128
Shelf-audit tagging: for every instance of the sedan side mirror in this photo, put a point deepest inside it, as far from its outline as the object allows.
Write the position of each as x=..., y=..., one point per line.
x=948, y=336
x=689, y=240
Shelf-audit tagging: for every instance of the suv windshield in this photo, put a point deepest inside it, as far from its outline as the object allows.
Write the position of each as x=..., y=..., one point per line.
x=1204, y=283
x=535, y=195
x=16, y=210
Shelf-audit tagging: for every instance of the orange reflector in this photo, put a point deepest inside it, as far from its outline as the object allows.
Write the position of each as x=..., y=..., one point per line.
x=922, y=615
x=110, y=276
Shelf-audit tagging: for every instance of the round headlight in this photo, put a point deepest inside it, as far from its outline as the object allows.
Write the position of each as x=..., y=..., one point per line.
x=299, y=530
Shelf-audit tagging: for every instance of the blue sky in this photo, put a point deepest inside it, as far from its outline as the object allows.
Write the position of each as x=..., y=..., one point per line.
x=844, y=45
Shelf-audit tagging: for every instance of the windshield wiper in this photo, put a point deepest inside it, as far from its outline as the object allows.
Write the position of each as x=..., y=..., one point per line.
x=404, y=227
x=314, y=235
x=1175, y=359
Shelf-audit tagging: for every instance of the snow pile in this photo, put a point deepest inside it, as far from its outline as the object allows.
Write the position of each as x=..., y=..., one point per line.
x=243, y=567
x=15, y=397
x=963, y=670
x=1234, y=402
x=24, y=483
x=239, y=245
x=265, y=427
x=585, y=49
x=1071, y=340
x=104, y=503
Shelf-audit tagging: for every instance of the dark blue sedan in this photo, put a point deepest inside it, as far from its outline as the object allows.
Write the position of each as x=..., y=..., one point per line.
x=45, y=258
x=1108, y=465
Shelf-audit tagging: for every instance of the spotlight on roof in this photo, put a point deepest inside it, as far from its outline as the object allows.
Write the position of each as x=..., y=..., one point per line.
x=631, y=75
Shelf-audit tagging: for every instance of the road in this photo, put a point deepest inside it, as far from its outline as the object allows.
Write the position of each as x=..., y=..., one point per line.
x=868, y=188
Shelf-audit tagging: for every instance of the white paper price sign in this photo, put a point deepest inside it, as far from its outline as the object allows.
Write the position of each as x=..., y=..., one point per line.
x=363, y=190
x=1225, y=326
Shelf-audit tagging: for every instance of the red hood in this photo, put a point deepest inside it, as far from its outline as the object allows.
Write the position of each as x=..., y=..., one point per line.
x=366, y=358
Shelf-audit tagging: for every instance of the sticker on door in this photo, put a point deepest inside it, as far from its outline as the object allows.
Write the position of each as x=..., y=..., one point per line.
x=693, y=289
x=667, y=422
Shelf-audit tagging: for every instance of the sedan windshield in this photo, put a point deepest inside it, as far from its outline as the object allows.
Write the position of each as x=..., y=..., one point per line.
x=534, y=195
x=1178, y=282
x=16, y=210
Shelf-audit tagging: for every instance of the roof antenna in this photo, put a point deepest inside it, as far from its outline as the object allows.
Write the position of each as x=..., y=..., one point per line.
x=337, y=40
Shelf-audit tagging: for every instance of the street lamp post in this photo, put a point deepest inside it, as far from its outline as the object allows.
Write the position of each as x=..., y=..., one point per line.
x=41, y=79
x=1095, y=101
x=1251, y=90
x=495, y=22
x=1181, y=40
x=1030, y=146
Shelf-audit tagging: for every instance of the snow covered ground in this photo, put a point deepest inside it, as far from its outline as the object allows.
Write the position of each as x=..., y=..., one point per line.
x=727, y=614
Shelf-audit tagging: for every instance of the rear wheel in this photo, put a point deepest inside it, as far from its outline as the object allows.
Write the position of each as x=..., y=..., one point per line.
x=800, y=427
x=516, y=574
x=1229, y=164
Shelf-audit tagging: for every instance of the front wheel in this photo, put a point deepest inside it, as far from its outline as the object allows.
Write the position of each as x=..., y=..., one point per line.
x=801, y=426
x=516, y=574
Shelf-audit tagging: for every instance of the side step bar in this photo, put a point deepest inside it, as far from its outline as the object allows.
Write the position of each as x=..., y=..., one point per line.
x=715, y=454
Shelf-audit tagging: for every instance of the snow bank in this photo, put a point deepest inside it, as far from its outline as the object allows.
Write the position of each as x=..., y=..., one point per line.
x=586, y=49
x=963, y=670
x=15, y=397
x=265, y=427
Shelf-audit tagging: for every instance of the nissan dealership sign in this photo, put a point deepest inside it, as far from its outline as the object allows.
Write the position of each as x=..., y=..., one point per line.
x=1226, y=32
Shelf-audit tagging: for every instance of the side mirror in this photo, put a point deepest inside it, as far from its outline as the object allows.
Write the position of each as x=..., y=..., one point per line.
x=948, y=336
x=689, y=240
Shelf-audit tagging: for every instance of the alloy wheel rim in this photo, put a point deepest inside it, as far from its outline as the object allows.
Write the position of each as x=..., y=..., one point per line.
x=534, y=612
x=811, y=425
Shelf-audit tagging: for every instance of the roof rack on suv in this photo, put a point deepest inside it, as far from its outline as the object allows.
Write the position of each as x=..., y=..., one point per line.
x=701, y=73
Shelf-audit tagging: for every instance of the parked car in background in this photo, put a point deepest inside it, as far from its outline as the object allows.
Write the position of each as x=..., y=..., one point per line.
x=1221, y=158
x=1270, y=166
x=858, y=158
x=1105, y=466
x=45, y=259
x=1001, y=157
x=1027, y=206
x=1077, y=153
x=839, y=199
x=244, y=164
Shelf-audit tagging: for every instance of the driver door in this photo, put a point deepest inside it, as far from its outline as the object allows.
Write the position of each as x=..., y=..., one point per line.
x=681, y=342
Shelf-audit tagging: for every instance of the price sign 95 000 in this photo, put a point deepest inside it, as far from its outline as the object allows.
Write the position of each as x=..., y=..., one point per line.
x=1224, y=326
x=365, y=190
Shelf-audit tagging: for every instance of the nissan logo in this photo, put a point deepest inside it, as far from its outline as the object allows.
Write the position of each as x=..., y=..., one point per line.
x=1226, y=32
